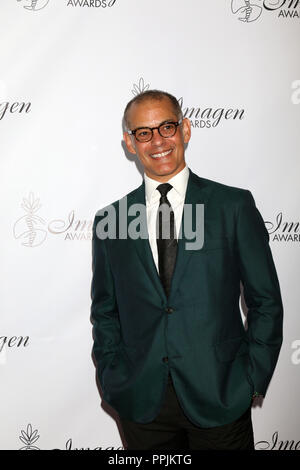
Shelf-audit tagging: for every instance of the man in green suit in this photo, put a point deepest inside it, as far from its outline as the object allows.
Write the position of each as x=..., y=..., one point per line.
x=172, y=354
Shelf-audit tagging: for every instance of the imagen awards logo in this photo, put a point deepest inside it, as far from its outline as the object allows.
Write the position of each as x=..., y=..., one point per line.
x=34, y=5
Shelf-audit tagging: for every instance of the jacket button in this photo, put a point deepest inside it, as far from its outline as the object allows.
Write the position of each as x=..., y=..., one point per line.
x=169, y=310
x=165, y=359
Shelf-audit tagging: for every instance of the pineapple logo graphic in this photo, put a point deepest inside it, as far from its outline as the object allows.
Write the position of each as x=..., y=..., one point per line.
x=138, y=89
x=29, y=437
x=27, y=227
x=247, y=12
x=35, y=5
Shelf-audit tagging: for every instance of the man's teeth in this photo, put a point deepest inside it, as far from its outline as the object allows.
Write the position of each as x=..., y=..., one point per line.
x=159, y=155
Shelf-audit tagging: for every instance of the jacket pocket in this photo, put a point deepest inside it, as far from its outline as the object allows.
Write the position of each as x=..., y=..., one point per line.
x=214, y=244
x=231, y=348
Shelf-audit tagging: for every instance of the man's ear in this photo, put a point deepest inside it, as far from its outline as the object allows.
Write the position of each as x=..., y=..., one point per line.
x=186, y=130
x=129, y=143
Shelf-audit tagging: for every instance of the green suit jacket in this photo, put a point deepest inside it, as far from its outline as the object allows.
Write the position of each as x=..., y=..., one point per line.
x=197, y=333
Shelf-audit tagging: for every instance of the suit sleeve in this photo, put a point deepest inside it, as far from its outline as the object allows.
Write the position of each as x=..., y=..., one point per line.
x=104, y=309
x=261, y=292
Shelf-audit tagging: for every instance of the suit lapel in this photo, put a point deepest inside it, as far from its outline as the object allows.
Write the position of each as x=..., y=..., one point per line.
x=142, y=245
x=196, y=193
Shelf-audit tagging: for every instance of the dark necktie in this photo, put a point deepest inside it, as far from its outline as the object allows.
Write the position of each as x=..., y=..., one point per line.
x=167, y=247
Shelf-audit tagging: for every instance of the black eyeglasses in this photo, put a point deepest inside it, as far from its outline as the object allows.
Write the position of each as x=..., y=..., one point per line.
x=165, y=129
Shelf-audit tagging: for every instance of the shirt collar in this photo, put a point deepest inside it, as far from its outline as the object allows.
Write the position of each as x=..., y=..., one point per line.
x=179, y=183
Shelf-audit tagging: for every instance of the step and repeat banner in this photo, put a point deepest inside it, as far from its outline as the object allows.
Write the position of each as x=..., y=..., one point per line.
x=67, y=70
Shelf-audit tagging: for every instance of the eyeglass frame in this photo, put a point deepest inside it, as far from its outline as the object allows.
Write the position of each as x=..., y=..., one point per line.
x=177, y=123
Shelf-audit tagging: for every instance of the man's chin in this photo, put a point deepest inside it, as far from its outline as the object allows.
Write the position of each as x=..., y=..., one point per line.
x=163, y=173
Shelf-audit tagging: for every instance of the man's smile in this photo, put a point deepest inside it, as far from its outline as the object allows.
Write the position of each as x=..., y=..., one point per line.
x=161, y=155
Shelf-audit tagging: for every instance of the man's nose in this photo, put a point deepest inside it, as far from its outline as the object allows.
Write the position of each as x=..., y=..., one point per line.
x=157, y=138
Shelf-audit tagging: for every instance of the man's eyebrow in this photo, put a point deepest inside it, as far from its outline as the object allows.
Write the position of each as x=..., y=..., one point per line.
x=162, y=122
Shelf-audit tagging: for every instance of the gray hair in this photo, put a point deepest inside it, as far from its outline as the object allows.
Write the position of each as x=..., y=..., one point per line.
x=152, y=95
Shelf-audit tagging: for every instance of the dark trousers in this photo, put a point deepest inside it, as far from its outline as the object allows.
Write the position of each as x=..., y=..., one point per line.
x=171, y=429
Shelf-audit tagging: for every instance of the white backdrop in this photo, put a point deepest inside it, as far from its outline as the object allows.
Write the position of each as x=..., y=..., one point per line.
x=67, y=70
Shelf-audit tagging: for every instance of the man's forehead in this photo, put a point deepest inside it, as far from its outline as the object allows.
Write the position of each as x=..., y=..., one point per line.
x=148, y=111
